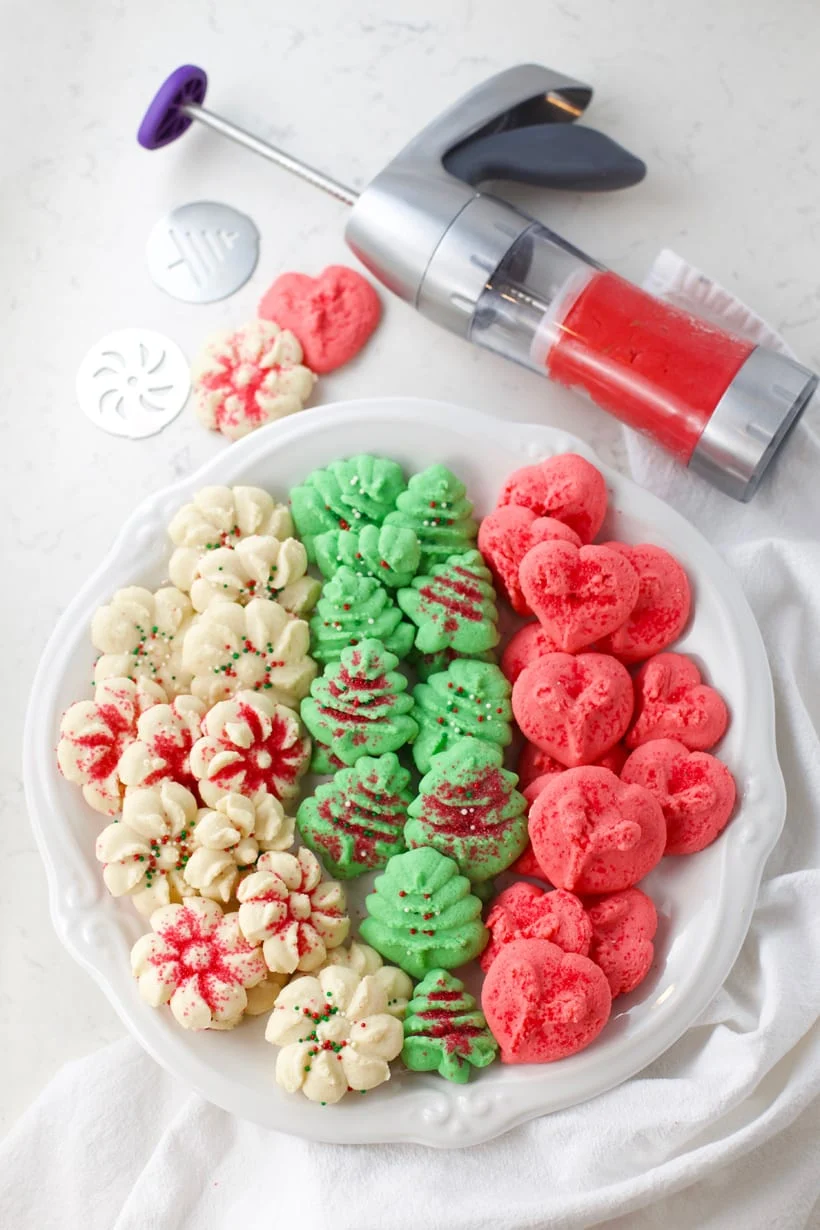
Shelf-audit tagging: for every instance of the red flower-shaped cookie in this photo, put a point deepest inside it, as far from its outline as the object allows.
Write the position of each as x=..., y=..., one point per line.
x=566, y=487
x=524, y=912
x=505, y=537
x=574, y=708
x=543, y=1004
x=672, y=703
x=623, y=926
x=526, y=646
x=695, y=790
x=661, y=610
x=578, y=594
x=591, y=833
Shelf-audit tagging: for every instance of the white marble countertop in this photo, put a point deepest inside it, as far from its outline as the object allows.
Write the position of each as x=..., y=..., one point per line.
x=718, y=98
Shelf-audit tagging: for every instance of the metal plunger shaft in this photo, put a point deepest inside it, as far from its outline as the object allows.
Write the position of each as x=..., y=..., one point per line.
x=317, y=178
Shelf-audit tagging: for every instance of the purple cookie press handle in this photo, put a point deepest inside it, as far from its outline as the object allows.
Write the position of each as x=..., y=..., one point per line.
x=178, y=102
x=164, y=120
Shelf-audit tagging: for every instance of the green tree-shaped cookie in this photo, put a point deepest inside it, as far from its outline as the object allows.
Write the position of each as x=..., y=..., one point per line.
x=422, y=915
x=388, y=553
x=355, y=823
x=454, y=607
x=351, y=609
x=469, y=809
x=359, y=706
x=444, y=1031
x=468, y=700
x=347, y=494
x=435, y=506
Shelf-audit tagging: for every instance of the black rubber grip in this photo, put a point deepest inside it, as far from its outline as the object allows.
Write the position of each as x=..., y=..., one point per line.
x=549, y=155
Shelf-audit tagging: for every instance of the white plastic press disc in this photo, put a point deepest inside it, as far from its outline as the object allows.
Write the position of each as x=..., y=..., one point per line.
x=133, y=382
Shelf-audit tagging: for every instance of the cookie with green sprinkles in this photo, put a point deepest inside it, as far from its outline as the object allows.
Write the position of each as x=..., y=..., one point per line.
x=351, y=609
x=355, y=823
x=359, y=706
x=345, y=495
x=453, y=607
x=435, y=505
x=469, y=809
x=468, y=700
x=422, y=915
x=388, y=552
x=445, y=1031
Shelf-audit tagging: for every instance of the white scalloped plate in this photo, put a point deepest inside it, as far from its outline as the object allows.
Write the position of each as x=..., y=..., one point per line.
x=705, y=902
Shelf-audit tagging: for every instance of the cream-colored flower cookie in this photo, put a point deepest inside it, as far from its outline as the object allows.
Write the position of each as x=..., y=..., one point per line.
x=222, y=516
x=335, y=1032
x=248, y=745
x=145, y=854
x=197, y=960
x=94, y=734
x=165, y=736
x=260, y=566
x=250, y=376
x=362, y=959
x=287, y=907
x=140, y=634
x=258, y=646
x=228, y=838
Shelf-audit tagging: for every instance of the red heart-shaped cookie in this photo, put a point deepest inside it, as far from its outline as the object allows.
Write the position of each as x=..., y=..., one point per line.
x=672, y=703
x=592, y=833
x=623, y=926
x=662, y=607
x=526, y=646
x=505, y=537
x=543, y=1004
x=578, y=594
x=573, y=708
x=332, y=315
x=695, y=790
x=566, y=487
x=524, y=912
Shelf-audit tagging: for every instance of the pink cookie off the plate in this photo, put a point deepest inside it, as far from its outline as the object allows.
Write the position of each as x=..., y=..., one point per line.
x=566, y=487
x=671, y=702
x=574, y=708
x=505, y=537
x=696, y=791
x=524, y=912
x=623, y=927
x=662, y=609
x=592, y=833
x=578, y=594
x=543, y=1004
x=526, y=646
x=332, y=315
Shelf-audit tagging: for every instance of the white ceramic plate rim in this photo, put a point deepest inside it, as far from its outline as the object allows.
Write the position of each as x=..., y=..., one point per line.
x=435, y=1112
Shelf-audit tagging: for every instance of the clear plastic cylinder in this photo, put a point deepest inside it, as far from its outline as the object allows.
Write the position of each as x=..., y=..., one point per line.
x=657, y=368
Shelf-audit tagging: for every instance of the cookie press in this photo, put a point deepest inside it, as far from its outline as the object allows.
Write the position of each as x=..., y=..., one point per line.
x=474, y=264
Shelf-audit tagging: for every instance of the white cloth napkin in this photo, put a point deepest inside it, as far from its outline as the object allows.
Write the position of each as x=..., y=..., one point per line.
x=718, y=1134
